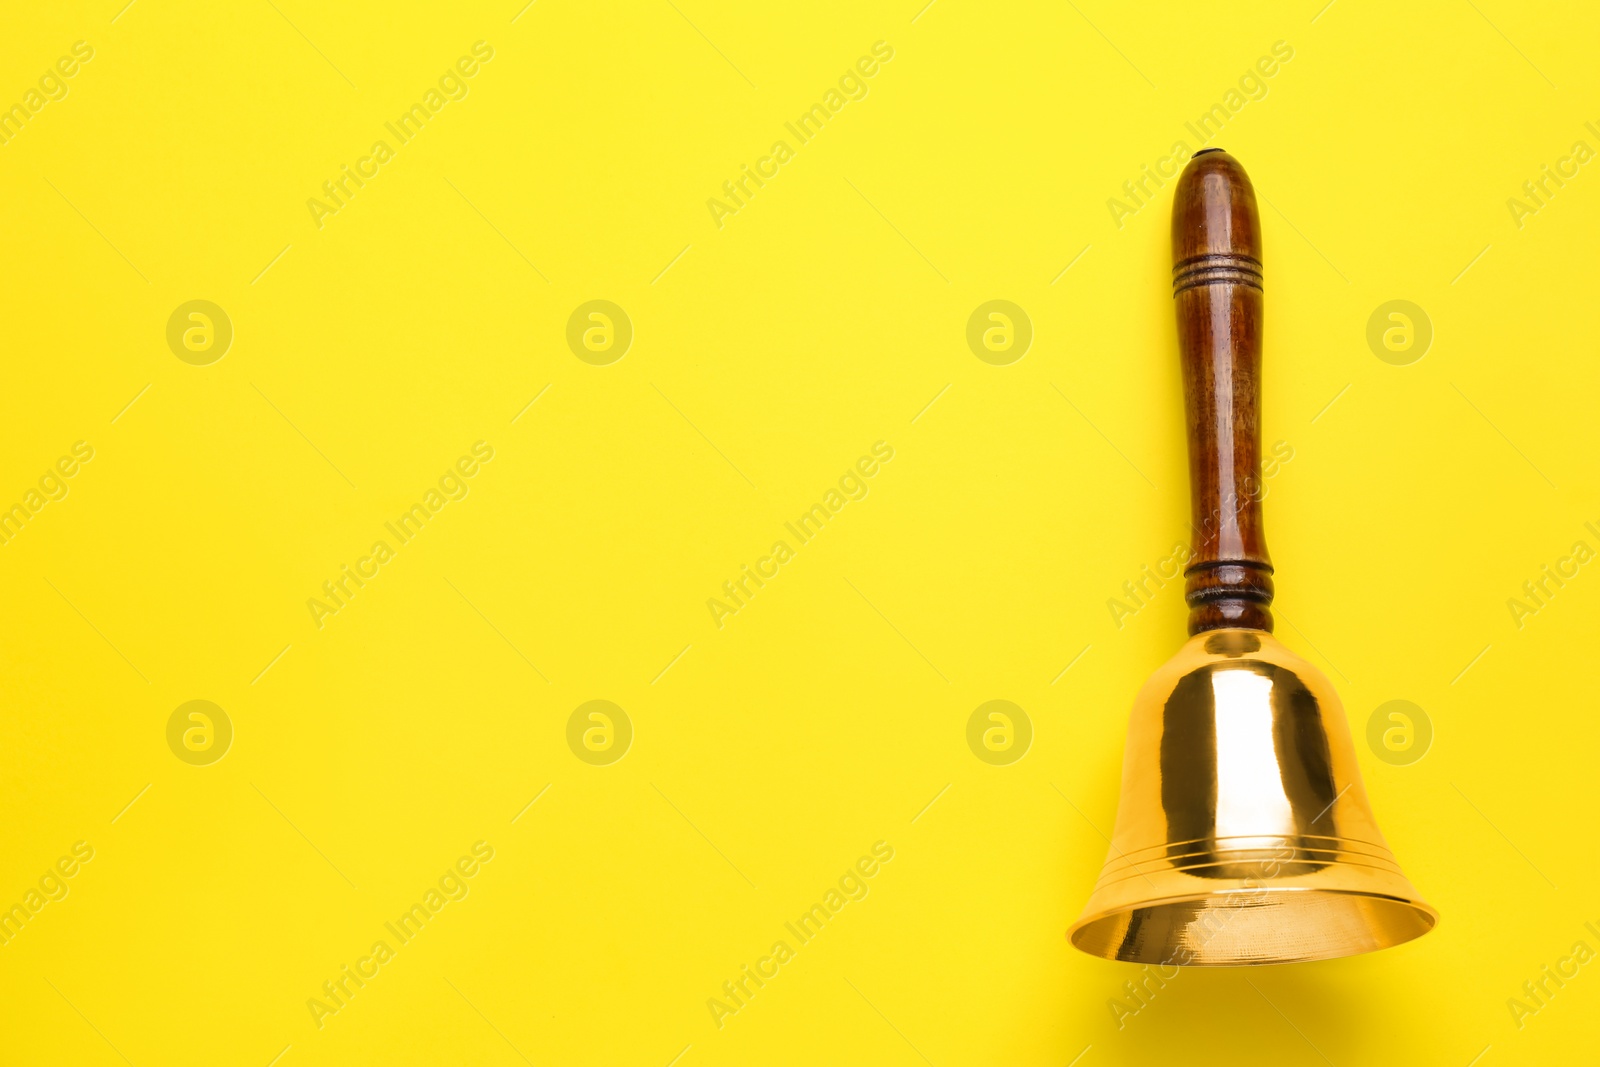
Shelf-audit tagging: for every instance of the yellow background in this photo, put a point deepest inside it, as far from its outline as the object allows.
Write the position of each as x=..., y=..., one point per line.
x=825, y=716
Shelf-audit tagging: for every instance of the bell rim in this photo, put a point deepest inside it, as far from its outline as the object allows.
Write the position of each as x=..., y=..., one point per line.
x=1337, y=950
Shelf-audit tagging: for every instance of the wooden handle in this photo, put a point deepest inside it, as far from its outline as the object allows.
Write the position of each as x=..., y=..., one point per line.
x=1216, y=286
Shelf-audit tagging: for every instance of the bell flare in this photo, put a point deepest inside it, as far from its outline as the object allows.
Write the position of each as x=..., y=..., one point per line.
x=1243, y=834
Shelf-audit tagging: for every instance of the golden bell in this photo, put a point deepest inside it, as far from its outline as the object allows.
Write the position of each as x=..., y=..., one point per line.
x=1243, y=833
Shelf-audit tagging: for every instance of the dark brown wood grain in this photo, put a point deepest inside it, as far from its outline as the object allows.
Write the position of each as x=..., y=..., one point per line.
x=1216, y=283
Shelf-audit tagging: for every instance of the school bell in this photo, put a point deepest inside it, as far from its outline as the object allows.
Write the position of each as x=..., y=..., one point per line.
x=1243, y=833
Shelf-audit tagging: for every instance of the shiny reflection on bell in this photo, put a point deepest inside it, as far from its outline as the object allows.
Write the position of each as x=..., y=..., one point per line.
x=1250, y=797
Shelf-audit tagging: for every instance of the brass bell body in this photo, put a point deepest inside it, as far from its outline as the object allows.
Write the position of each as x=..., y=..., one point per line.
x=1243, y=833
